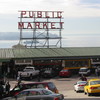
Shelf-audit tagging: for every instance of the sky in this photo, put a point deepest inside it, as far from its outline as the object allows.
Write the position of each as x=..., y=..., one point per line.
x=80, y=16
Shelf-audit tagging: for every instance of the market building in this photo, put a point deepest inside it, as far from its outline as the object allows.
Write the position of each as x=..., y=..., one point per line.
x=40, y=45
x=71, y=58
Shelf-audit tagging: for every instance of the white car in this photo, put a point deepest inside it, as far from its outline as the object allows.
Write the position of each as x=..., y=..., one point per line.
x=79, y=86
x=28, y=72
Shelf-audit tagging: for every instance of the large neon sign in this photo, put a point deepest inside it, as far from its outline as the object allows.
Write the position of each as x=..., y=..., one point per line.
x=49, y=24
x=40, y=26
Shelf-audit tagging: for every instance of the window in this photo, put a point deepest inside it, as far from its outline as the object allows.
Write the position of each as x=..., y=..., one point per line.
x=34, y=93
x=94, y=82
x=45, y=92
x=23, y=93
x=40, y=86
x=51, y=85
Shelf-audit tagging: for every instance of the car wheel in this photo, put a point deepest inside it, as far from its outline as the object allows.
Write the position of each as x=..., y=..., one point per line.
x=85, y=93
x=89, y=94
x=77, y=91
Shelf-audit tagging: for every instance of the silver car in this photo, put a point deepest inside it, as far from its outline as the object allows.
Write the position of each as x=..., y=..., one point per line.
x=36, y=94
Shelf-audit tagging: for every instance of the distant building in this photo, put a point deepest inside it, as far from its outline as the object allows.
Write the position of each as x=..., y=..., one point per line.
x=18, y=46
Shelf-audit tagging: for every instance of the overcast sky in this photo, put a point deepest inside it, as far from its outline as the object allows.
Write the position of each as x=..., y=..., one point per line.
x=80, y=16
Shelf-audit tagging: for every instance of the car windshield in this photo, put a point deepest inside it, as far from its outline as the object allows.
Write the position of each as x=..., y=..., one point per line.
x=81, y=82
x=51, y=86
x=22, y=94
x=64, y=70
x=94, y=82
x=47, y=92
x=30, y=86
x=28, y=69
x=83, y=70
x=47, y=71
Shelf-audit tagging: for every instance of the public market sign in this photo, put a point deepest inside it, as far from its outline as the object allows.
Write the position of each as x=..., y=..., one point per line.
x=42, y=20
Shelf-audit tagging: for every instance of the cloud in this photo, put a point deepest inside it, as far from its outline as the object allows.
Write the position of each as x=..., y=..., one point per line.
x=90, y=1
x=71, y=8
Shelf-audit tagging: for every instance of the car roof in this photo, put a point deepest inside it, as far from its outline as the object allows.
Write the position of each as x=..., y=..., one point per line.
x=36, y=89
x=37, y=83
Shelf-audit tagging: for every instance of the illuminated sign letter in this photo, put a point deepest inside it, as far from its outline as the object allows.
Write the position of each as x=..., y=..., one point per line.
x=20, y=25
x=29, y=25
x=39, y=14
x=52, y=14
x=61, y=24
x=46, y=14
x=37, y=25
x=31, y=14
x=52, y=25
x=59, y=15
x=23, y=13
x=45, y=25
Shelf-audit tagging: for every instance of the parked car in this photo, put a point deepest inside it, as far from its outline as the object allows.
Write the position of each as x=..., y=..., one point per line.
x=28, y=72
x=36, y=94
x=49, y=73
x=79, y=86
x=92, y=87
x=84, y=71
x=65, y=73
x=47, y=85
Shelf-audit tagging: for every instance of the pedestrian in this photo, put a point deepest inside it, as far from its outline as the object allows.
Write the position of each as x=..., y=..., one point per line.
x=97, y=72
x=14, y=73
x=83, y=78
x=19, y=77
x=1, y=91
x=39, y=76
x=7, y=87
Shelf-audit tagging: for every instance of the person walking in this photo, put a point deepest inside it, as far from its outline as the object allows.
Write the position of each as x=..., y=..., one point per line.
x=97, y=72
x=1, y=91
x=39, y=76
x=83, y=78
x=19, y=77
x=7, y=87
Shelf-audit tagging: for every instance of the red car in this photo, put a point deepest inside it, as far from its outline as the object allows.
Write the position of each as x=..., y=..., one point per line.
x=65, y=73
x=47, y=85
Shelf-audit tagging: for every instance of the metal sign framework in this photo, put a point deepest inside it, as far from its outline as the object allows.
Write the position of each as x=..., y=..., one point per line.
x=40, y=28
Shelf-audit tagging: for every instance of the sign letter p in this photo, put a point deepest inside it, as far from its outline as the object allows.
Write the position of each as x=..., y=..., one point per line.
x=23, y=13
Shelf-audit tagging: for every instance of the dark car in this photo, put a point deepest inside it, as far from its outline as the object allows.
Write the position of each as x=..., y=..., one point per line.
x=32, y=85
x=36, y=94
x=65, y=73
x=49, y=73
x=84, y=71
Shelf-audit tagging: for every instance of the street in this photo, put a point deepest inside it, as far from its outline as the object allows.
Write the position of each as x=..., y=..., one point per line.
x=66, y=87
